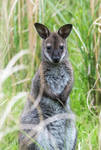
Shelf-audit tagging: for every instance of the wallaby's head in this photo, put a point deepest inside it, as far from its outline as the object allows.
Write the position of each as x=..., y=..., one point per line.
x=54, y=43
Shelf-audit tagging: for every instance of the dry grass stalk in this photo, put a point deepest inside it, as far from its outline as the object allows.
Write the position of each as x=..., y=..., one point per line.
x=12, y=9
x=32, y=37
x=32, y=8
x=92, y=3
x=97, y=53
x=96, y=45
x=9, y=107
x=80, y=38
x=21, y=81
x=20, y=24
x=99, y=137
x=11, y=68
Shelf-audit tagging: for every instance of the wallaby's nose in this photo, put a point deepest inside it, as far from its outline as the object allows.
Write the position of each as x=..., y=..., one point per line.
x=56, y=59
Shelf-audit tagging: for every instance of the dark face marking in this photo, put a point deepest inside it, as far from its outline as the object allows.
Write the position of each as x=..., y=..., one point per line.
x=54, y=48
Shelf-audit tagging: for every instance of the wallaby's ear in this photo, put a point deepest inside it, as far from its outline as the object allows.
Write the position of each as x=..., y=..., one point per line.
x=65, y=30
x=42, y=30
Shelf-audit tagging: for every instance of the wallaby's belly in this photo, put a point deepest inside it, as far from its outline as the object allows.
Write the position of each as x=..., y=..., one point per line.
x=53, y=135
x=57, y=78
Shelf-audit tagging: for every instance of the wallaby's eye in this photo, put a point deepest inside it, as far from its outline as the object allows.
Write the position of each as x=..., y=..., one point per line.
x=61, y=47
x=48, y=47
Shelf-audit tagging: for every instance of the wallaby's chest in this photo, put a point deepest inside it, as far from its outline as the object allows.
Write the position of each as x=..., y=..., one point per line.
x=57, y=78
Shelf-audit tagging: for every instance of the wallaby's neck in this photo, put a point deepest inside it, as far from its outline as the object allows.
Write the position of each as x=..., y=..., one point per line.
x=53, y=65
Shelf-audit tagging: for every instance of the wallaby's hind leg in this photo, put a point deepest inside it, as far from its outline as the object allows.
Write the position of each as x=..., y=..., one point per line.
x=74, y=147
x=71, y=135
x=71, y=131
x=23, y=147
x=33, y=147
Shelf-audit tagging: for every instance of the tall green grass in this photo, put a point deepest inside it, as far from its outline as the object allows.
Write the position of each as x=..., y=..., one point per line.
x=16, y=35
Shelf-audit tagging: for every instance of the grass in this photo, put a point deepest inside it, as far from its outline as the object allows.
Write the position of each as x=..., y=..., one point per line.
x=15, y=24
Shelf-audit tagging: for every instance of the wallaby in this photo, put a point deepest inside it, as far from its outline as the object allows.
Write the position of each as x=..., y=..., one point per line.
x=50, y=124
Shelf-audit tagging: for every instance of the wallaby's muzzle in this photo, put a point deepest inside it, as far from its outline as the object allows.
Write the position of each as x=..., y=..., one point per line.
x=56, y=59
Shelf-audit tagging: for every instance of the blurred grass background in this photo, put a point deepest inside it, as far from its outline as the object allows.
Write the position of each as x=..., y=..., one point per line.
x=20, y=51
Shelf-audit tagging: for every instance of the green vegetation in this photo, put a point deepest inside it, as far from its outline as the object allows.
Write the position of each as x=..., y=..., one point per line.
x=18, y=40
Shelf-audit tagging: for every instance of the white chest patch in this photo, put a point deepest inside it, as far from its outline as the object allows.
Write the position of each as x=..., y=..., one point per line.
x=57, y=78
